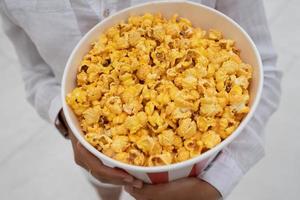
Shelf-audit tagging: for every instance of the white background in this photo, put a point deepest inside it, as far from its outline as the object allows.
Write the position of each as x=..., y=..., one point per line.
x=36, y=163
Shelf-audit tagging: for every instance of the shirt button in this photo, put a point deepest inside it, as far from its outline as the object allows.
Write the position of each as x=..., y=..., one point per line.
x=106, y=12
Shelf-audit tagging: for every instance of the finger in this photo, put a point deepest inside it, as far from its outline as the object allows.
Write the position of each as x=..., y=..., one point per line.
x=138, y=196
x=91, y=163
x=103, y=173
x=94, y=164
x=137, y=183
x=146, y=192
x=106, y=180
x=159, y=191
x=129, y=189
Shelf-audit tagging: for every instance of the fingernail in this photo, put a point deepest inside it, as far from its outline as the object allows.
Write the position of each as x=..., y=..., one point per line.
x=137, y=184
x=128, y=179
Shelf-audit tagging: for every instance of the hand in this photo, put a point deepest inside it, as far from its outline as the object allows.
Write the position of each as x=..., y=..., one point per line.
x=188, y=188
x=97, y=169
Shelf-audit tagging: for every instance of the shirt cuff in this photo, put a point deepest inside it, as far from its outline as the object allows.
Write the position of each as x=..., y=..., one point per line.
x=224, y=174
x=54, y=109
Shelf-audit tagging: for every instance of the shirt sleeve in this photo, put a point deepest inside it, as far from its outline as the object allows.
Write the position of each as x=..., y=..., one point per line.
x=248, y=148
x=42, y=89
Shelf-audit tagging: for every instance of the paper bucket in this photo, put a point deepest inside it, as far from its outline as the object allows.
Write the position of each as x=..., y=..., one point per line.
x=200, y=16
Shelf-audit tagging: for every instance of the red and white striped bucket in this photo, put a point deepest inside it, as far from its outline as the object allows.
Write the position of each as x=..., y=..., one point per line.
x=200, y=16
x=170, y=175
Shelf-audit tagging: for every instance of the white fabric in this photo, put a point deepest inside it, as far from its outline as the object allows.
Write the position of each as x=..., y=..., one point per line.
x=55, y=107
x=45, y=32
x=225, y=169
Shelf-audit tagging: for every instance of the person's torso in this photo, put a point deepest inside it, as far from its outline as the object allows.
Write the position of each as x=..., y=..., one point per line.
x=55, y=26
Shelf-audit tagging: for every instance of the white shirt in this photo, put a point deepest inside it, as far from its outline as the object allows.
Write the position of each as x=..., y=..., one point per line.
x=44, y=32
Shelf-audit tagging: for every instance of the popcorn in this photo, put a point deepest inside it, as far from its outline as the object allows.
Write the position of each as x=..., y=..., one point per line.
x=92, y=115
x=119, y=143
x=211, y=139
x=214, y=34
x=187, y=128
x=153, y=91
x=182, y=154
x=160, y=159
x=166, y=138
x=149, y=145
x=193, y=146
x=136, y=157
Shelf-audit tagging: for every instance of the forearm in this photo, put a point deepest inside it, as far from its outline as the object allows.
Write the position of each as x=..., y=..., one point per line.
x=42, y=89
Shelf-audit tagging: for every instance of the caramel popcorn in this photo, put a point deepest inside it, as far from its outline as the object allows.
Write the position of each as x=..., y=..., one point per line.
x=154, y=91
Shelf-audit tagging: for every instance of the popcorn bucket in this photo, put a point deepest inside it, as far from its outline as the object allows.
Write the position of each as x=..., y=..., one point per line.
x=200, y=16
